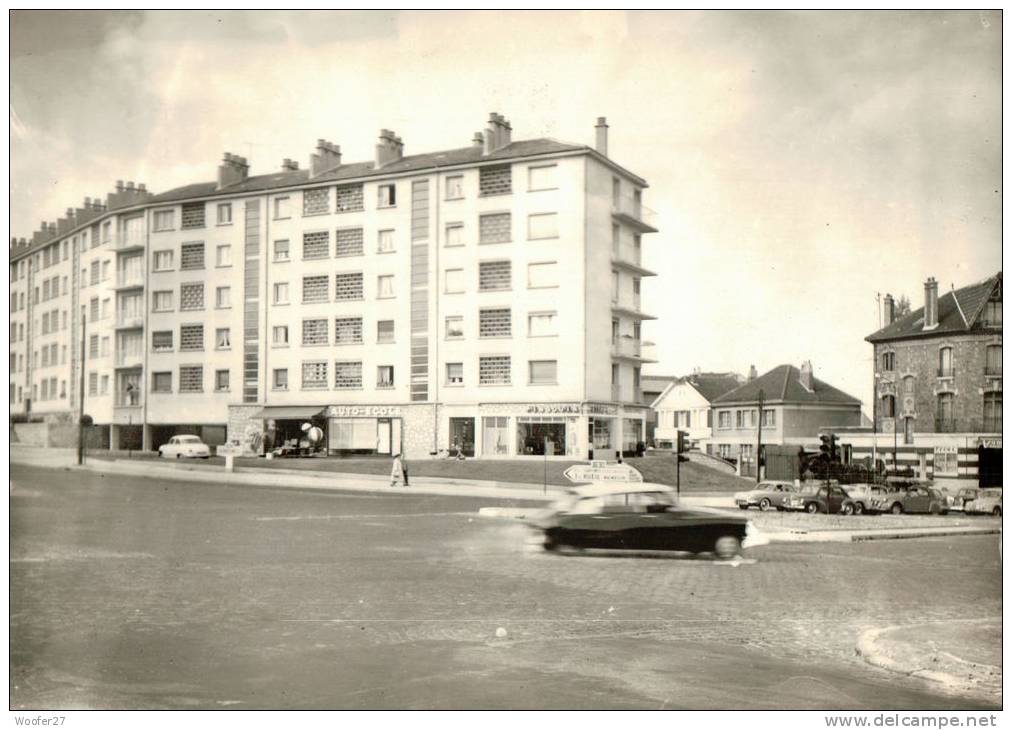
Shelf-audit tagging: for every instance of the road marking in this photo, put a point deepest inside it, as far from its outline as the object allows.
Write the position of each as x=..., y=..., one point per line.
x=294, y=518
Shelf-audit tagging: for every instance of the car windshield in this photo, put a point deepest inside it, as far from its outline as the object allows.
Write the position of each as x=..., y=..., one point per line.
x=189, y=440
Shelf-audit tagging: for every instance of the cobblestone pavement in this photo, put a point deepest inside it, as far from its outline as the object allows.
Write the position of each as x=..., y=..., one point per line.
x=168, y=594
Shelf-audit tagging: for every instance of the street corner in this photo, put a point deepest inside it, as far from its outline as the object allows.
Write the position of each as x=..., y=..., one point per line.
x=960, y=656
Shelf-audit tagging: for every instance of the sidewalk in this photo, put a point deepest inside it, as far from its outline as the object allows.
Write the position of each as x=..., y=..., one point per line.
x=963, y=656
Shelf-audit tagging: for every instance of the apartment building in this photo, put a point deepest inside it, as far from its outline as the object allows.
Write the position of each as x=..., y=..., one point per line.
x=938, y=388
x=409, y=303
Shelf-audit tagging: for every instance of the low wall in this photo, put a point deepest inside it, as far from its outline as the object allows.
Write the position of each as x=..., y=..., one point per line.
x=30, y=434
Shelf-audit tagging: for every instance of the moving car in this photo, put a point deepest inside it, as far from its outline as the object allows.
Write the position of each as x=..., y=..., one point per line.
x=640, y=516
x=766, y=495
x=915, y=500
x=986, y=502
x=184, y=447
x=820, y=498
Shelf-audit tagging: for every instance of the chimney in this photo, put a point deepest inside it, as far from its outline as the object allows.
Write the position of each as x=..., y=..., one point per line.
x=130, y=186
x=889, y=310
x=807, y=381
x=327, y=157
x=479, y=140
x=498, y=134
x=288, y=165
x=119, y=186
x=142, y=188
x=752, y=373
x=930, y=303
x=390, y=148
x=601, y=142
x=232, y=170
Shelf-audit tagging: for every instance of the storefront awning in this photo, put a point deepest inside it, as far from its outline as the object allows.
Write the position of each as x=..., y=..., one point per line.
x=285, y=412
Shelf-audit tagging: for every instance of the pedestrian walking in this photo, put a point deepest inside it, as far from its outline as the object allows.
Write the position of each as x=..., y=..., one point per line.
x=399, y=471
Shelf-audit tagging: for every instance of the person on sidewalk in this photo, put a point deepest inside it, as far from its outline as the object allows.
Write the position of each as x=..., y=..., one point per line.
x=399, y=471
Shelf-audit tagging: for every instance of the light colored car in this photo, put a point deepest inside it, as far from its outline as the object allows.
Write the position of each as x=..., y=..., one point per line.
x=863, y=495
x=987, y=502
x=184, y=447
x=766, y=495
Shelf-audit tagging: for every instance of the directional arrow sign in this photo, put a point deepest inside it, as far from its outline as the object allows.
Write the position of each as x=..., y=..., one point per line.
x=602, y=472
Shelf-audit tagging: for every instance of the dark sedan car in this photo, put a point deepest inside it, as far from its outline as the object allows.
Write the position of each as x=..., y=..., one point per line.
x=641, y=517
x=831, y=500
x=917, y=500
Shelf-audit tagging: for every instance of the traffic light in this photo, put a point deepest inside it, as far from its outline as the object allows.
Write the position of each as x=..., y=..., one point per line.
x=826, y=449
x=680, y=441
x=833, y=453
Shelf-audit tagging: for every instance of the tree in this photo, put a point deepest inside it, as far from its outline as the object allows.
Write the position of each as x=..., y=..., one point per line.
x=902, y=306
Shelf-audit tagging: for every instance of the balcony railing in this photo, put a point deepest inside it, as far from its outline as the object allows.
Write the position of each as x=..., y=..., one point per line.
x=124, y=319
x=946, y=372
x=126, y=280
x=124, y=243
x=988, y=424
x=627, y=347
x=992, y=371
x=129, y=359
x=630, y=254
x=633, y=212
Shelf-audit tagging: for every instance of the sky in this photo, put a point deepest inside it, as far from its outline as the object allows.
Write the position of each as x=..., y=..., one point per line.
x=800, y=163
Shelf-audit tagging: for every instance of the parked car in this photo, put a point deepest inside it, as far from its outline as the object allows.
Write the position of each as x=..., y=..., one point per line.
x=986, y=502
x=766, y=496
x=863, y=495
x=820, y=498
x=184, y=447
x=916, y=500
x=641, y=516
x=964, y=495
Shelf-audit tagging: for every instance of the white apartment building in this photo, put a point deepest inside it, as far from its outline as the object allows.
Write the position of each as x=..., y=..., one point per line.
x=409, y=304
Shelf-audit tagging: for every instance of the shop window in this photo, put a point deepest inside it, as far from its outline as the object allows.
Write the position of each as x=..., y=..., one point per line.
x=946, y=461
x=541, y=436
x=495, y=436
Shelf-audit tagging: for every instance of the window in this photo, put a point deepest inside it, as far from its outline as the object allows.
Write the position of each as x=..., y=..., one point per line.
x=282, y=207
x=494, y=228
x=454, y=281
x=348, y=331
x=280, y=379
x=348, y=287
x=222, y=338
x=281, y=292
x=193, y=215
x=387, y=196
x=106, y=266
x=724, y=419
x=224, y=256
x=769, y=418
x=454, y=187
x=162, y=301
x=944, y=410
x=542, y=324
x=279, y=335
x=888, y=406
x=191, y=297
x=992, y=412
x=494, y=276
x=385, y=331
x=92, y=349
x=164, y=221
x=888, y=361
x=161, y=382
x=314, y=375
x=223, y=297
x=315, y=289
x=385, y=376
x=96, y=272
x=495, y=180
x=543, y=372
x=454, y=234
x=221, y=380
x=542, y=225
x=454, y=373
x=94, y=309
x=614, y=287
x=946, y=460
x=992, y=313
x=224, y=214
x=495, y=322
x=992, y=362
x=191, y=337
x=542, y=275
x=385, y=241
x=163, y=260
x=494, y=370
x=908, y=385
x=454, y=328
x=161, y=341
x=314, y=332
x=542, y=177
x=347, y=375
x=191, y=379
x=92, y=383
x=385, y=286
x=281, y=250
x=191, y=256
x=349, y=198
x=105, y=349
x=316, y=245
x=945, y=362
x=316, y=202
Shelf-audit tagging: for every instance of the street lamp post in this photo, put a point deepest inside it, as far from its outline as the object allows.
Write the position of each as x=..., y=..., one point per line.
x=874, y=426
x=759, y=440
x=80, y=420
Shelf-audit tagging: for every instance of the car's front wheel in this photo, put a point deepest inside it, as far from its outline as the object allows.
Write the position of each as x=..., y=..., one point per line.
x=727, y=546
x=764, y=505
x=847, y=509
x=858, y=508
x=996, y=511
x=812, y=507
x=896, y=509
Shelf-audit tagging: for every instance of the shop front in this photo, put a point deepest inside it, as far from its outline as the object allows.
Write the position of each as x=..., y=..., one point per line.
x=363, y=430
x=287, y=430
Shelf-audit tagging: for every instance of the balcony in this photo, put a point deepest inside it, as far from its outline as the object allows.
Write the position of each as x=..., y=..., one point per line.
x=992, y=371
x=129, y=359
x=630, y=258
x=129, y=281
x=630, y=348
x=633, y=213
x=126, y=321
x=123, y=243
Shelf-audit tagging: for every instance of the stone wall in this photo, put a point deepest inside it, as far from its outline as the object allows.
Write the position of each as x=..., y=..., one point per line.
x=30, y=434
x=417, y=431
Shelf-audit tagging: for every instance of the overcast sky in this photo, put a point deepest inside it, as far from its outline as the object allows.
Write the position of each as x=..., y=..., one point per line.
x=799, y=162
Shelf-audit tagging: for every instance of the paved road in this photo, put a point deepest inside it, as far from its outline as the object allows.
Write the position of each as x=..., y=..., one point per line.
x=149, y=594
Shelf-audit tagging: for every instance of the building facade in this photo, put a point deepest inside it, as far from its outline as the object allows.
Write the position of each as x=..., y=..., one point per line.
x=685, y=405
x=419, y=303
x=938, y=388
x=796, y=407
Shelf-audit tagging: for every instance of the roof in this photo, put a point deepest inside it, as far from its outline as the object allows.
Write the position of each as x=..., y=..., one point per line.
x=656, y=383
x=601, y=489
x=708, y=385
x=355, y=170
x=958, y=311
x=782, y=384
